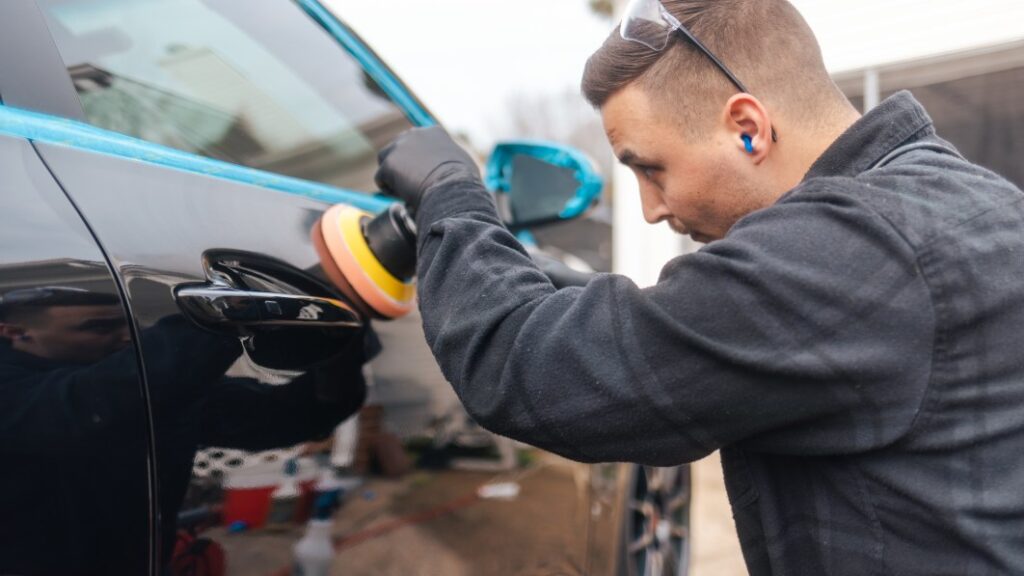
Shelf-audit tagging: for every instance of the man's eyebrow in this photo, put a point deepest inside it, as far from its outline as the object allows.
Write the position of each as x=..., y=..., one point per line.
x=102, y=322
x=627, y=157
x=631, y=158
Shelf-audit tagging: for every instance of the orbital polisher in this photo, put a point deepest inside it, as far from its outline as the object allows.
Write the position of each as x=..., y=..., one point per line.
x=370, y=259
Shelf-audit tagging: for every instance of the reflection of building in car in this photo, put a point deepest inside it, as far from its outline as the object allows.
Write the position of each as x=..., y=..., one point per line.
x=68, y=384
x=222, y=114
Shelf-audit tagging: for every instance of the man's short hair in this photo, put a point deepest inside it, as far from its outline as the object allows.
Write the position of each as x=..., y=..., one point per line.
x=28, y=304
x=766, y=43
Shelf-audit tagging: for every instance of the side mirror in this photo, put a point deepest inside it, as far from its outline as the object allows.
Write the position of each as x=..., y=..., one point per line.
x=539, y=183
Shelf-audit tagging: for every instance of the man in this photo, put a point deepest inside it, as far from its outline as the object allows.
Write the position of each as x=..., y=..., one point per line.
x=73, y=435
x=849, y=337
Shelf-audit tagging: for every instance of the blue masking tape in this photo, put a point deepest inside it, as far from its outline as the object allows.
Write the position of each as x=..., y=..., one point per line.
x=591, y=183
x=62, y=132
x=388, y=82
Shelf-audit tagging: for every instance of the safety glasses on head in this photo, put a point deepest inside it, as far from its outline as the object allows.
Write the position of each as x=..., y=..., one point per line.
x=648, y=22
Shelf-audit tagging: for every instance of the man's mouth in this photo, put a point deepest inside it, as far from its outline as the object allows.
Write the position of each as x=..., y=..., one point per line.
x=678, y=228
x=682, y=230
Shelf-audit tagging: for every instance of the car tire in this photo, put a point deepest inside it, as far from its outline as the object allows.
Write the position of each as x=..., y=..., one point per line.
x=655, y=532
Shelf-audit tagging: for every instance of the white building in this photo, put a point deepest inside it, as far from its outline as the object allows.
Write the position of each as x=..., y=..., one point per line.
x=963, y=59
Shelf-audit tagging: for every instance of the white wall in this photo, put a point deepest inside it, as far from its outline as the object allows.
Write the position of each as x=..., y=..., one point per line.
x=640, y=250
x=868, y=33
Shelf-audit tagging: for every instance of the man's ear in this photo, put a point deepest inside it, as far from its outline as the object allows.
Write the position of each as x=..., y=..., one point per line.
x=749, y=127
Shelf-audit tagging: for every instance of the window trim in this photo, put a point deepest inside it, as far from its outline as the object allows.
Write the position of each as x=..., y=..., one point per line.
x=61, y=119
x=348, y=40
x=32, y=73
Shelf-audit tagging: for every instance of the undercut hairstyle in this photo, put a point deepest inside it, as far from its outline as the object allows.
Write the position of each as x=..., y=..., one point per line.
x=767, y=44
x=26, y=307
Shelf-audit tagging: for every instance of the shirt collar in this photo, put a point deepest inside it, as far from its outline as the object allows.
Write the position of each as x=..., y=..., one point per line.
x=9, y=357
x=897, y=120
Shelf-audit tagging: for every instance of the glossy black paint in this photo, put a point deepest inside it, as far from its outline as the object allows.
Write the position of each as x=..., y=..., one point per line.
x=159, y=227
x=73, y=427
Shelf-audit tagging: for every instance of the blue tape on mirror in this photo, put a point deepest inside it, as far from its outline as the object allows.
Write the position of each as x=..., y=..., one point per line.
x=545, y=181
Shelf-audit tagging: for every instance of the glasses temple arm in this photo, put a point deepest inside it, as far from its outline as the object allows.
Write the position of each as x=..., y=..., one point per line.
x=728, y=73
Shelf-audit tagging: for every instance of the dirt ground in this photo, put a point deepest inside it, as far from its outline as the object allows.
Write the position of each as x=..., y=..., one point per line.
x=429, y=523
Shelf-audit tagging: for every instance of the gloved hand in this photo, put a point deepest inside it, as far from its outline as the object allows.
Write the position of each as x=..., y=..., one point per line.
x=418, y=160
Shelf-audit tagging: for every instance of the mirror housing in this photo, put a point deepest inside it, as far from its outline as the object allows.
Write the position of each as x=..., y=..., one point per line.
x=541, y=182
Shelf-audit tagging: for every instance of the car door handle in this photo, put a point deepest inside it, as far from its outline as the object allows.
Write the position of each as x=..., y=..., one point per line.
x=217, y=306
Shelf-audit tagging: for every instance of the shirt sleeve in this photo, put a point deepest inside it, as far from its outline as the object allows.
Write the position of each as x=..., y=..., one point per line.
x=68, y=408
x=246, y=414
x=807, y=330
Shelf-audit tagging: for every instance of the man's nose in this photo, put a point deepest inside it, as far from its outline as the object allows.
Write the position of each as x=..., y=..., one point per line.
x=654, y=208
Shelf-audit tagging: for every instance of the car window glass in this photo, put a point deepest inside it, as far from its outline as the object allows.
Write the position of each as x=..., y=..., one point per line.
x=253, y=83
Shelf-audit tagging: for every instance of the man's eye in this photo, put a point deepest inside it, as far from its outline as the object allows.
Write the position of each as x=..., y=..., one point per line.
x=649, y=174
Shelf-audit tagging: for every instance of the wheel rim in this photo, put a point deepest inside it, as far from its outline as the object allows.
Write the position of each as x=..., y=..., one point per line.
x=658, y=522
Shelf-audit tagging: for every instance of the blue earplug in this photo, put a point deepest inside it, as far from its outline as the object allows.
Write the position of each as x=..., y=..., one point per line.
x=748, y=143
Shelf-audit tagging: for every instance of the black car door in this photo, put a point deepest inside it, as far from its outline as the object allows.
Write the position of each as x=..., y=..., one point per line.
x=245, y=348
x=74, y=441
x=176, y=236
x=75, y=447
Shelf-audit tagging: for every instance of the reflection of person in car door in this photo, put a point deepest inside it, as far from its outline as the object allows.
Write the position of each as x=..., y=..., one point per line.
x=90, y=327
x=73, y=427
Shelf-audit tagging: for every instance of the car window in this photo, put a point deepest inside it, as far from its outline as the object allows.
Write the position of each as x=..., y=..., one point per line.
x=256, y=83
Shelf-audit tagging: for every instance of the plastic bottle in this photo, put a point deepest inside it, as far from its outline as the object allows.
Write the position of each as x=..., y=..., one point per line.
x=314, y=553
x=285, y=499
x=329, y=484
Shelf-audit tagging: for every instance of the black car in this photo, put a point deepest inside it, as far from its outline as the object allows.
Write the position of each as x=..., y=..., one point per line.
x=162, y=163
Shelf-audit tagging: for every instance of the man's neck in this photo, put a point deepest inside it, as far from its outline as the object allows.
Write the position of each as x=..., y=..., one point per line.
x=806, y=151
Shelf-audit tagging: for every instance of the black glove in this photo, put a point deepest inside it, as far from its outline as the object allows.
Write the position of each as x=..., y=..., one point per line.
x=418, y=160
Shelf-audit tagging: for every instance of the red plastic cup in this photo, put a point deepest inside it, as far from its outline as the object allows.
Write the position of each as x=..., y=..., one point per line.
x=249, y=505
x=247, y=494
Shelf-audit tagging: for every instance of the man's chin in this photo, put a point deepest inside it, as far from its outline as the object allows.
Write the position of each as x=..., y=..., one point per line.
x=678, y=229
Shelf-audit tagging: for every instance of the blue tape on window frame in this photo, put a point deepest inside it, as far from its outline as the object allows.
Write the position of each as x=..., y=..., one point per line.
x=370, y=62
x=63, y=132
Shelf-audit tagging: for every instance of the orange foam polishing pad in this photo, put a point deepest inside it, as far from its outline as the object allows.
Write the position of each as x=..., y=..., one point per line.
x=335, y=276
x=342, y=230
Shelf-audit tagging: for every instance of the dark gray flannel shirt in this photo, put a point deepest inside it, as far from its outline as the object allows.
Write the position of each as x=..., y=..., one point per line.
x=854, y=350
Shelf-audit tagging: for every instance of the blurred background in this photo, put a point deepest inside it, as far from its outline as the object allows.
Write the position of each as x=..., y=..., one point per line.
x=500, y=69
x=411, y=484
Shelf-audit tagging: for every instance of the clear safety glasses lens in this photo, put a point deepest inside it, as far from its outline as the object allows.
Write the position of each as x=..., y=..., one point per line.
x=649, y=23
